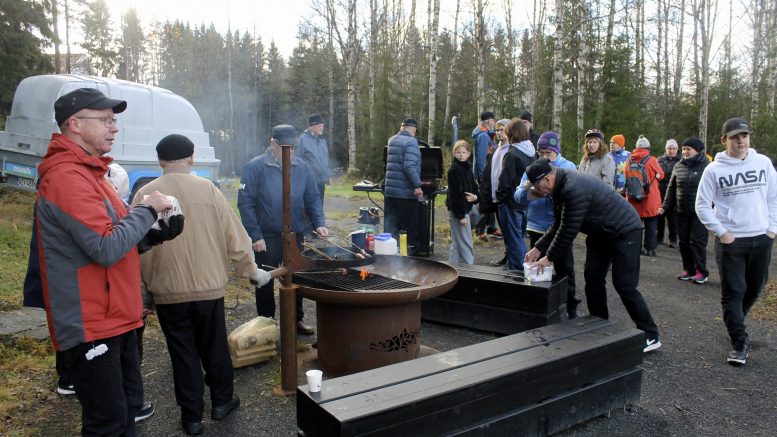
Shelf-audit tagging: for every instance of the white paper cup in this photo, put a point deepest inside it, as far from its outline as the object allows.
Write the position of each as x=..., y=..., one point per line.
x=314, y=380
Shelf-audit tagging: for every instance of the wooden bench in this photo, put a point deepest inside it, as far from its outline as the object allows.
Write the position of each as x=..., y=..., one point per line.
x=532, y=383
x=495, y=300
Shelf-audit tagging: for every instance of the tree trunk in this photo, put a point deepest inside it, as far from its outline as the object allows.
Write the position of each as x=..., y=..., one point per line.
x=433, y=38
x=55, y=27
x=67, y=36
x=678, y=65
x=659, y=45
x=758, y=10
x=480, y=49
x=351, y=66
x=449, y=85
x=772, y=51
x=606, y=66
x=558, y=73
x=582, y=63
x=707, y=12
x=372, y=72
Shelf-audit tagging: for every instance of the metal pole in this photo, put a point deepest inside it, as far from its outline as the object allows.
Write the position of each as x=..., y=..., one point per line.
x=288, y=291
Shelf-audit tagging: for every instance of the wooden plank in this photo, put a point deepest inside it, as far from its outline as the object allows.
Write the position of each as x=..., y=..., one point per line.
x=444, y=401
x=488, y=318
x=565, y=410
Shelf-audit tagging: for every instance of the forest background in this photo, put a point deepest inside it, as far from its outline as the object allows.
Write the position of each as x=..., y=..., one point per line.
x=665, y=69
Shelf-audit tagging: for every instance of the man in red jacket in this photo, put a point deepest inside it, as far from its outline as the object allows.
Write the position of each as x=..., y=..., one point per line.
x=89, y=263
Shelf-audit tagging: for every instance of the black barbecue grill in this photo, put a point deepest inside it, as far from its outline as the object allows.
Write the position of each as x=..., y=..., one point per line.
x=348, y=280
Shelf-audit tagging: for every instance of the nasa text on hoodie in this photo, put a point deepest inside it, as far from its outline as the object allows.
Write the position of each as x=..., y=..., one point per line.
x=738, y=195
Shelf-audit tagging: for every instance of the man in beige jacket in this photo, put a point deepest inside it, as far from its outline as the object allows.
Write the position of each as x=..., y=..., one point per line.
x=187, y=279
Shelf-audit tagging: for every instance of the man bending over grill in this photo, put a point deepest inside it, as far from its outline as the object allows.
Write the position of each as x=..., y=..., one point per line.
x=584, y=203
x=260, y=201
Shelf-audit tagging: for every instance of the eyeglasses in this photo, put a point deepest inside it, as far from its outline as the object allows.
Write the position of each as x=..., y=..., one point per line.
x=108, y=121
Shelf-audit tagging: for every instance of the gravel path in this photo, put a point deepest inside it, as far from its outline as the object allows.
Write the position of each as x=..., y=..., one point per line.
x=687, y=388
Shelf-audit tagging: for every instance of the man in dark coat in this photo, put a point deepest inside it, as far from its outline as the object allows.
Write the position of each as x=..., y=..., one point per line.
x=403, y=184
x=667, y=162
x=583, y=203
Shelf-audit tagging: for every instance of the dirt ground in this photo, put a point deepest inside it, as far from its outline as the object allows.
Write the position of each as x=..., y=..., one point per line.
x=687, y=388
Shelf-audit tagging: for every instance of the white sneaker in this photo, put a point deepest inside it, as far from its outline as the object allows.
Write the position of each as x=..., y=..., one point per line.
x=651, y=344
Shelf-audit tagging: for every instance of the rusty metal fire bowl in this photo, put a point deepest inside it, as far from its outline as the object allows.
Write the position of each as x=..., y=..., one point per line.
x=375, y=321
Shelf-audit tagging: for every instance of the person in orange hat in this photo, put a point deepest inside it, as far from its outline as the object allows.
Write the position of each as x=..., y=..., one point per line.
x=620, y=155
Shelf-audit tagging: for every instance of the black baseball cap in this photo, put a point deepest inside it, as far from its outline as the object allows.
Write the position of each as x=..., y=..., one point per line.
x=734, y=126
x=410, y=122
x=538, y=170
x=285, y=134
x=84, y=98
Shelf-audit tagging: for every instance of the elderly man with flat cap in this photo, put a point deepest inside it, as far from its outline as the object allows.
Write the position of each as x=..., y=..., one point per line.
x=313, y=149
x=260, y=201
x=403, y=184
x=187, y=280
x=89, y=263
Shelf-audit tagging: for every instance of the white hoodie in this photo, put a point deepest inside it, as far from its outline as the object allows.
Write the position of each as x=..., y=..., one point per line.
x=738, y=195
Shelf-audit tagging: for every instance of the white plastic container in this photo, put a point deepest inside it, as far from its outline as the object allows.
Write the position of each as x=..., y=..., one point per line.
x=385, y=244
x=531, y=273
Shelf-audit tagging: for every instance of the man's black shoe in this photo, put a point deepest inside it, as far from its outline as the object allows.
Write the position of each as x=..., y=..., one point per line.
x=192, y=428
x=221, y=412
x=738, y=356
x=304, y=329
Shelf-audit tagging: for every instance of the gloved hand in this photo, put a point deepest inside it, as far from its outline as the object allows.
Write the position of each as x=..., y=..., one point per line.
x=261, y=278
x=166, y=232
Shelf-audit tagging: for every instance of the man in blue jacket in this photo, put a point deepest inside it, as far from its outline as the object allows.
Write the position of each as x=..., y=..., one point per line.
x=314, y=151
x=260, y=201
x=403, y=184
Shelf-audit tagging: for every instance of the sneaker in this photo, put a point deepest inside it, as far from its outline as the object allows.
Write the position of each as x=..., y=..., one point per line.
x=699, y=278
x=685, y=276
x=738, y=357
x=64, y=388
x=651, y=344
x=672, y=244
x=145, y=412
x=483, y=237
x=496, y=233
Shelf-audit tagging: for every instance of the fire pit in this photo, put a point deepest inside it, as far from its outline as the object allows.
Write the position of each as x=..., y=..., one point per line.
x=370, y=316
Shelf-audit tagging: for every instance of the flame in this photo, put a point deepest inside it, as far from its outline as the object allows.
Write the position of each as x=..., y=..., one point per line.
x=364, y=274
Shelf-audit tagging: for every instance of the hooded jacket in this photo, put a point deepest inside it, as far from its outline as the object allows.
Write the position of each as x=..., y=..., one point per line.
x=738, y=195
x=460, y=180
x=683, y=185
x=89, y=262
x=603, y=168
x=514, y=163
x=647, y=207
x=260, y=197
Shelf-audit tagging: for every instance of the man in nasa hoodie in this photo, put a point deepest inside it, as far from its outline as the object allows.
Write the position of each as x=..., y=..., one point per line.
x=737, y=200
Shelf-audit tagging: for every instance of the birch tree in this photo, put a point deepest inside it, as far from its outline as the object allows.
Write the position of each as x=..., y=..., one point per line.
x=582, y=63
x=454, y=56
x=434, y=19
x=480, y=52
x=558, y=72
x=705, y=14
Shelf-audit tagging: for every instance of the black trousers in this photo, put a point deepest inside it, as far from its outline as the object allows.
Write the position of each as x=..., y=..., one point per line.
x=564, y=268
x=669, y=219
x=487, y=222
x=196, y=336
x=402, y=215
x=744, y=269
x=623, y=253
x=272, y=256
x=693, y=236
x=650, y=224
x=109, y=386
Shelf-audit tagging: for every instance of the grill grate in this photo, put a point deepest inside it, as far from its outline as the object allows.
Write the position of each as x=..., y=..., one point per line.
x=351, y=281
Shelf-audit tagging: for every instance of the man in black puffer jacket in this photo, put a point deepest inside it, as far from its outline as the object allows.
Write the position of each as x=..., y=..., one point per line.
x=583, y=203
x=403, y=185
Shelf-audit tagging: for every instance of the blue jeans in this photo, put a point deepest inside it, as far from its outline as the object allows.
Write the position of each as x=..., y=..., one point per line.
x=513, y=224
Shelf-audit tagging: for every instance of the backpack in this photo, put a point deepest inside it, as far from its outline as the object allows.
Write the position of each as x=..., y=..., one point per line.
x=637, y=183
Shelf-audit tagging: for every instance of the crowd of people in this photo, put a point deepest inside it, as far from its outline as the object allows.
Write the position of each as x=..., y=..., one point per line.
x=625, y=202
x=99, y=265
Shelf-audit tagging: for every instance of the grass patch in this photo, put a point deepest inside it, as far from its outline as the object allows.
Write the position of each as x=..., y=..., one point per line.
x=15, y=234
x=766, y=306
x=29, y=404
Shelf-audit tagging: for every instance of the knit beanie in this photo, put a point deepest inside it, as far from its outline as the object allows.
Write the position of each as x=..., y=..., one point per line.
x=549, y=141
x=619, y=140
x=694, y=143
x=643, y=143
x=670, y=143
